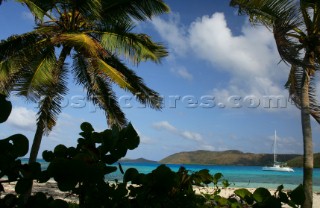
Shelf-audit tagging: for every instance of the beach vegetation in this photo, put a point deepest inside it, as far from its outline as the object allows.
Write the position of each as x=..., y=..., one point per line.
x=296, y=29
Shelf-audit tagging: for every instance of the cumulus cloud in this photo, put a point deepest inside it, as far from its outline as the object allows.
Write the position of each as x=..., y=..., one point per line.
x=250, y=59
x=23, y=118
x=172, y=33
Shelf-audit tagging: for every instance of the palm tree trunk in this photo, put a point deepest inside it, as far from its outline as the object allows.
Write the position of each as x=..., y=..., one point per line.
x=36, y=142
x=34, y=153
x=42, y=118
x=307, y=143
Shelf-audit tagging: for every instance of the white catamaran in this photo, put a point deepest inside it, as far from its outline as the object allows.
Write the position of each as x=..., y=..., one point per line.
x=277, y=166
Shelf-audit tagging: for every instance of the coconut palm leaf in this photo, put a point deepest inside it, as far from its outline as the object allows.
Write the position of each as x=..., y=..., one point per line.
x=136, y=47
x=137, y=9
x=98, y=90
x=17, y=45
x=37, y=75
x=144, y=94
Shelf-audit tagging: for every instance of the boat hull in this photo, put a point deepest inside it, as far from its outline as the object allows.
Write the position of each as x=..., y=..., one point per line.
x=281, y=169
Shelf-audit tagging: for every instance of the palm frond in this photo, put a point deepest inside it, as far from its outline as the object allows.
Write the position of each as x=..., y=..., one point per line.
x=144, y=94
x=290, y=48
x=21, y=45
x=314, y=104
x=294, y=84
x=34, y=8
x=99, y=91
x=9, y=73
x=135, y=47
x=37, y=75
x=15, y=53
x=106, y=71
x=137, y=9
x=52, y=97
x=267, y=11
x=81, y=42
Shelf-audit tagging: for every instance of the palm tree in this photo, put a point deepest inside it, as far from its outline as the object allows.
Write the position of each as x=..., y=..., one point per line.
x=95, y=34
x=296, y=29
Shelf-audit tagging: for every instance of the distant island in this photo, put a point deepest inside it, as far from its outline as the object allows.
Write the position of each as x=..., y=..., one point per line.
x=139, y=160
x=234, y=157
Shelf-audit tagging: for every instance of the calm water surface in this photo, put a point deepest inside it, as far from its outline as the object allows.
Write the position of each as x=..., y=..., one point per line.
x=238, y=176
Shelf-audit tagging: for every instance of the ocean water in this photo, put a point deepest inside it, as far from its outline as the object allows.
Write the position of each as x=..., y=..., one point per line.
x=238, y=176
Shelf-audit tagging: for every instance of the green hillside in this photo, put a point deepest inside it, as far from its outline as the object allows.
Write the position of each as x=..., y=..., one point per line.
x=297, y=161
x=230, y=157
x=139, y=160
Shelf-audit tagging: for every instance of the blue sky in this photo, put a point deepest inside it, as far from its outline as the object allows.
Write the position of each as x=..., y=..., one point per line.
x=220, y=86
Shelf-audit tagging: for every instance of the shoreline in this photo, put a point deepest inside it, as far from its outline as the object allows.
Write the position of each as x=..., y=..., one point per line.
x=50, y=189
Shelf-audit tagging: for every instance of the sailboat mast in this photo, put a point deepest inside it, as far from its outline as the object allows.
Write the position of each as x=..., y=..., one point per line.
x=274, y=147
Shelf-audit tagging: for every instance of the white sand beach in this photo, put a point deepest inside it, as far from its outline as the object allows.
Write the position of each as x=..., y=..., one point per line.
x=51, y=189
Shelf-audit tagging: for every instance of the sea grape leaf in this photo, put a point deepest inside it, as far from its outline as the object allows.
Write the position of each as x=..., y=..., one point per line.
x=261, y=194
x=86, y=127
x=130, y=175
x=131, y=137
x=217, y=177
x=222, y=201
x=23, y=185
x=10, y=200
x=39, y=200
x=20, y=145
x=297, y=195
x=60, y=151
x=5, y=109
x=43, y=176
x=48, y=156
x=245, y=195
x=31, y=170
x=58, y=203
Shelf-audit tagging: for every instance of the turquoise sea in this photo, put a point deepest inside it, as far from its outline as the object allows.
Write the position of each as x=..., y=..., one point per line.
x=238, y=176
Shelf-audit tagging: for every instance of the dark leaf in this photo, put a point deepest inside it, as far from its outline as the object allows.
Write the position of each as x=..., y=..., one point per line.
x=261, y=194
x=86, y=127
x=60, y=151
x=245, y=195
x=5, y=108
x=130, y=175
x=48, y=156
x=297, y=195
x=23, y=185
x=58, y=203
x=20, y=145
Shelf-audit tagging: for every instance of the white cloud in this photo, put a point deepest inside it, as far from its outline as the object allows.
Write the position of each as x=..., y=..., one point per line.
x=192, y=135
x=173, y=34
x=250, y=59
x=166, y=126
x=249, y=53
x=23, y=118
